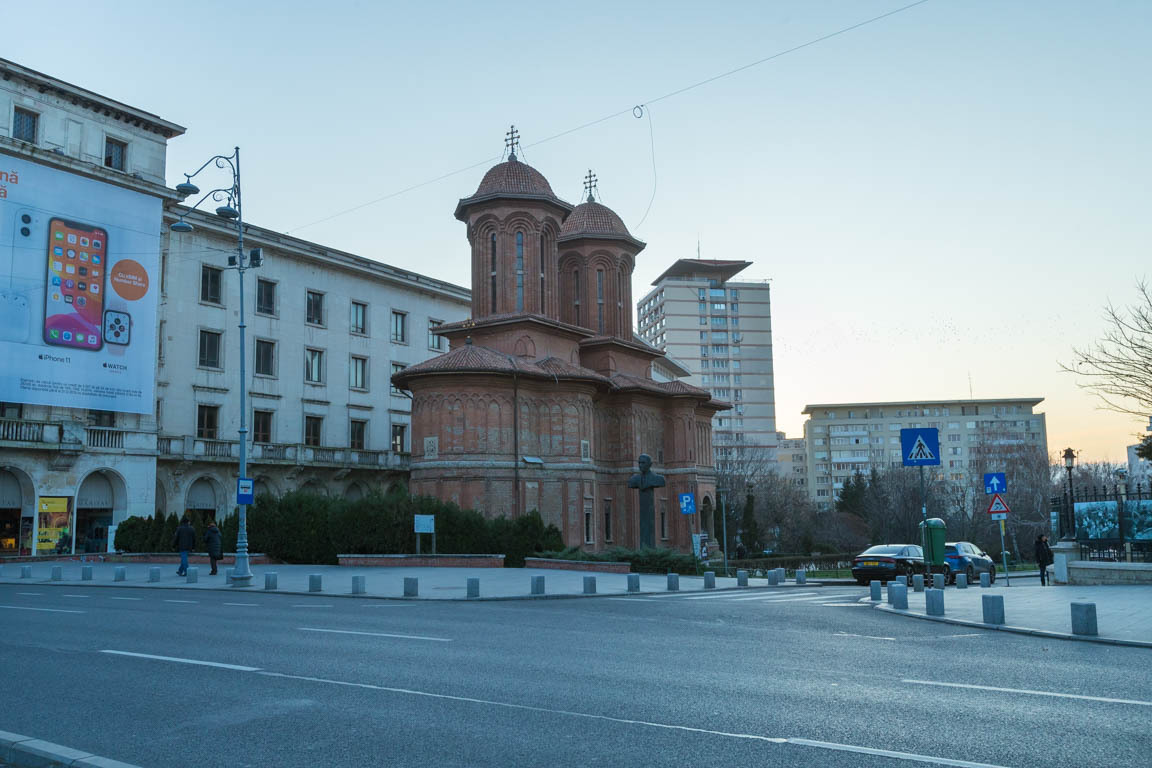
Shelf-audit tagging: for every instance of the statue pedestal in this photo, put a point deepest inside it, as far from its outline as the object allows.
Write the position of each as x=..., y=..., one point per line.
x=1063, y=552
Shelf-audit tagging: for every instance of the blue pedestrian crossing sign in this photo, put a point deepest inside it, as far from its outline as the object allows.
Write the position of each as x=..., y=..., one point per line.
x=920, y=447
x=687, y=504
x=995, y=482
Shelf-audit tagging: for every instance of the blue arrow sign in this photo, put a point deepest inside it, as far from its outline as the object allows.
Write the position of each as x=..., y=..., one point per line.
x=687, y=504
x=920, y=447
x=995, y=482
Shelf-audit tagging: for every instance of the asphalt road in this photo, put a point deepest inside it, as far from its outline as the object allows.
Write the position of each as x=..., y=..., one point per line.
x=803, y=678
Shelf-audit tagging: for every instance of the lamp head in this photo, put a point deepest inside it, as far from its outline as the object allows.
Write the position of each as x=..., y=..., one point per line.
x=187, y=189
x=1069, y=458
x=227, y=212
x=181, y=226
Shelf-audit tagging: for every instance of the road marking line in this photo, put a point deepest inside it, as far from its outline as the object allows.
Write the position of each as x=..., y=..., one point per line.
x=889, y=753
x=125, y=598
x=36, y=594
x=246, y=605
x=781, y=599
x=741, y=595
x=309, y=605
x=81, y=597
x=375, y=634
x=845, y=605
x=388, y=605
x=1030, y=692
x=633, y=599
x=45, y=610
x=867, y=637
x=181, y=601
x=197, y=662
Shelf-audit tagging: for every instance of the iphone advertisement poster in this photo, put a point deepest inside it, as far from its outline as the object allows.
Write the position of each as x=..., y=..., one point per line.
x=79, y=280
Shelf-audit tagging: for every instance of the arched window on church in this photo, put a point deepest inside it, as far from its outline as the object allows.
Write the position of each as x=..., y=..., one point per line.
x=621, y=324
x=543, y=261
x=576, y=297
x=492, y=270
x=600, y=301
x=519, y=271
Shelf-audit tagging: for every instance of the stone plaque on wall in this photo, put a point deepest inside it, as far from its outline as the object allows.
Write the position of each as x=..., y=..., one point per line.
x=431, y=447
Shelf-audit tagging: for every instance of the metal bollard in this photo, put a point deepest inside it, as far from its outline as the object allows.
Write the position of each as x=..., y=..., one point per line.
x=939, y=580
x=358, y=584
x=741, y=578
x=193, y=574
x=86, y=573
x=633, y=582
x=537, y=585
x=411, y=586
x=154, y=573
x=57, y=573
x=902, y=580
x=934, y=602
x=25, y=571
x=773, y=578
x=985, y=580
x=270, y=579
x=993, y=608
x=899, y=596
x=709, y=579
x=473, y=587
x=589, y=585
x=917, y=582
x=315, y=582
x=120, y=574
x=673, y=582
x=874, y=591
x=961, y=581
x=801, y=576
x=1084, y=619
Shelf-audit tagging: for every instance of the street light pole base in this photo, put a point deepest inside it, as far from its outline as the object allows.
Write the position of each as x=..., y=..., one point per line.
x=242, y=581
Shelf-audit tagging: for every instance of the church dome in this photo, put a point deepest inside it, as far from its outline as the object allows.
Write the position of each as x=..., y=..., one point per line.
x=595, y=220
x=513, y=177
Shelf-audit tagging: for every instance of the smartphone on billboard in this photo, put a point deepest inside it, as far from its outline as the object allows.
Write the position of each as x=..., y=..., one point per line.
x=76, y=258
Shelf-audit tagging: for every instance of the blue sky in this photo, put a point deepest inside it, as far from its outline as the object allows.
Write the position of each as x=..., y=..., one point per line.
x=953, y=191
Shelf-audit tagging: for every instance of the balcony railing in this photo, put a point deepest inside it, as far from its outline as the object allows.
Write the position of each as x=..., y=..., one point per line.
x=99, y=437
x=24, y=431
x=188, y=448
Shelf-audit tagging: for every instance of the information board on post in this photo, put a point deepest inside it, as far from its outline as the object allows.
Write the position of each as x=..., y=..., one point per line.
x=422, y=524
x=245, y=491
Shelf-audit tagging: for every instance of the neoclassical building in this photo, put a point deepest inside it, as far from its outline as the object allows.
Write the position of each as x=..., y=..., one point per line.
x=547, y=397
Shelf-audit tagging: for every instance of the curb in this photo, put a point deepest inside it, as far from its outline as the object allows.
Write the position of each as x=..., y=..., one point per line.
x=1019, y=630
x=27, y=752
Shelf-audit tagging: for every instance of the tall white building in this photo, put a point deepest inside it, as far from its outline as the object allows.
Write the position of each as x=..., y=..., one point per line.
x=721, y=330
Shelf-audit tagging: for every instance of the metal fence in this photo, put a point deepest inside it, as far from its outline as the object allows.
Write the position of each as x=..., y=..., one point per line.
x=1110, y=523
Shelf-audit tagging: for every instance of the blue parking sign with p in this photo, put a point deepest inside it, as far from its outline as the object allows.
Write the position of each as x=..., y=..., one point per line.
x=920, y=447
x=687, y=504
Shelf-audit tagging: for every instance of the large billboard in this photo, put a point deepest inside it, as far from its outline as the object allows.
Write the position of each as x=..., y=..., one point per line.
x=78, y=290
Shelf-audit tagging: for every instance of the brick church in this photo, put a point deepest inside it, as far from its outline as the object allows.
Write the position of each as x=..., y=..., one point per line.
x=547, y=398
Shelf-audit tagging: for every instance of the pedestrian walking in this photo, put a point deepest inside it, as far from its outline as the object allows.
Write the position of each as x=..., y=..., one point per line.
x=184, y=540
x=212, y=543
x=1044, y=558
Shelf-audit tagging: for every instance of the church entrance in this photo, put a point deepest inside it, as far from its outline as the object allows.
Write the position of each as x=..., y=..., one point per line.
x=706, y=521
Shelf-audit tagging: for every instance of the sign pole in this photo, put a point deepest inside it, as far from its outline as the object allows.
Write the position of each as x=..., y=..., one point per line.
x=417, y=543
x=923, y=497
x=1004, y=556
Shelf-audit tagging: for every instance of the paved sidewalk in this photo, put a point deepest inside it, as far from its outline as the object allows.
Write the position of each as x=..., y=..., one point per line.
x=434, y=583
x=1123, y=613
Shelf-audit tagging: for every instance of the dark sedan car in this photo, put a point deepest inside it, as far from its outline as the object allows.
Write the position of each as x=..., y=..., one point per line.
x=887, y=561
x=966, y=557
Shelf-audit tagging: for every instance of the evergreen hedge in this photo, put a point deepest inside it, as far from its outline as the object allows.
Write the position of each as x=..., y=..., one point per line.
x=643, y=560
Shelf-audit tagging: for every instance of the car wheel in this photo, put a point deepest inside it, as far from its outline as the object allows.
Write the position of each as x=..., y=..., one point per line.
x=992, y=575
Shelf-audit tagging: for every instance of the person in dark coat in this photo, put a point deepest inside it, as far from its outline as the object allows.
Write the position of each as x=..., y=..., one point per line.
x=1044, y=558
x=185, y=541
x=213, y=543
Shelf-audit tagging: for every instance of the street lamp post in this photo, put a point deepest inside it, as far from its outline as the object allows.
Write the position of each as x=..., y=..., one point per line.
x=231, y=210
x=1068, y=519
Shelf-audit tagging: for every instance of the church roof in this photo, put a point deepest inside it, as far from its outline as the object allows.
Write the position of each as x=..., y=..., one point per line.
x=595, y=220
x=472, y=358
x=515, y=179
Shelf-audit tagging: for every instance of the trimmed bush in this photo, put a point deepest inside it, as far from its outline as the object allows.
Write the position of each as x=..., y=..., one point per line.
x=643, y=560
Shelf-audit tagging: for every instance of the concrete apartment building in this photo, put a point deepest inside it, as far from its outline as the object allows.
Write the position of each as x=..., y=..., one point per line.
x=721, y=330
x=792, y=460
x=845, y=438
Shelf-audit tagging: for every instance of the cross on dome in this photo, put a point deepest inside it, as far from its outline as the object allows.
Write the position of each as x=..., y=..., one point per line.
x=590, y=185
x=511, y=141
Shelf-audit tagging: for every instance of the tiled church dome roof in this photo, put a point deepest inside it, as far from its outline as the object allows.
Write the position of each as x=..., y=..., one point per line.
x=592, y=218
x=513, y=177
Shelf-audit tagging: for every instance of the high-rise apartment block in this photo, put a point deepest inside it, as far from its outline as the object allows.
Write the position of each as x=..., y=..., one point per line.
x=721, y=329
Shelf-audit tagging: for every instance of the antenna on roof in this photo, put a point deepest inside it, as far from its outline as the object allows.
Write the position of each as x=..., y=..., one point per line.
x=697, y=246
x=511, y=141
x=590, y=184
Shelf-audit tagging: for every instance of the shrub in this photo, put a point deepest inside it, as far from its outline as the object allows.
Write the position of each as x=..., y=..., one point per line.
x=643, y=560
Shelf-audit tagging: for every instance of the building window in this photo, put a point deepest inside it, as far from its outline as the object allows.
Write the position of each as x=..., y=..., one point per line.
x=589, y=524
x=115, y=153
x=519, y=271
x=207, y=421
x=435, y=340
x=396, y=368
x=210, y=349
x=607, y=519
x=210, y=284
x=600, y=301
x=313, y=430
x=98, y=418
x=576, y=296
x=358, y=373
x=663, y=518
x=314, y=366
x=265, y=297
x=314, y=308
x=357, y=434
x=261, y=426
x=265, y=357
x=11, y=411
x=400, y=327
x=492, y=269
x=399, y=437
x=543, y=250
x=359, y=321
x=24, y=125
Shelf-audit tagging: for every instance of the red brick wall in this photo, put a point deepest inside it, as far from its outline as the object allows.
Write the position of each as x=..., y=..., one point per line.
x=576, y=565
x=423, y=561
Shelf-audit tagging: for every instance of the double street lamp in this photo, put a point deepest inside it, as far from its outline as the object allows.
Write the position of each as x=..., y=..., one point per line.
x=1068, y=518
x=230, y=209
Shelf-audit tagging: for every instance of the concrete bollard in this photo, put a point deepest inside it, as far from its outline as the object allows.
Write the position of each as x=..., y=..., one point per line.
x=741, y=578
x=358, y=584
x=633, y=582
x=961, y=581
x=228, y=575
x=25, y=571
x=709, y=579
x=801, y=576
x=781, y=575
x=1084, y=619
x=934, y=602
x=411, y=586
x=993, y=608
x=193, y=574
x=917, y=582
x=902, y=580
x=874, y=591
x=889, y=591
x=86, y=573
x=773, y=578
x=673, y=582
x=473, y=587
x=57, y=573
x=120, y=574
x=154, y=573
x=270, y=580
x=985, y=580
x=939, y=580
x=537, y=585
x=898, y=593
x=315, y=582
x=589, y=585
